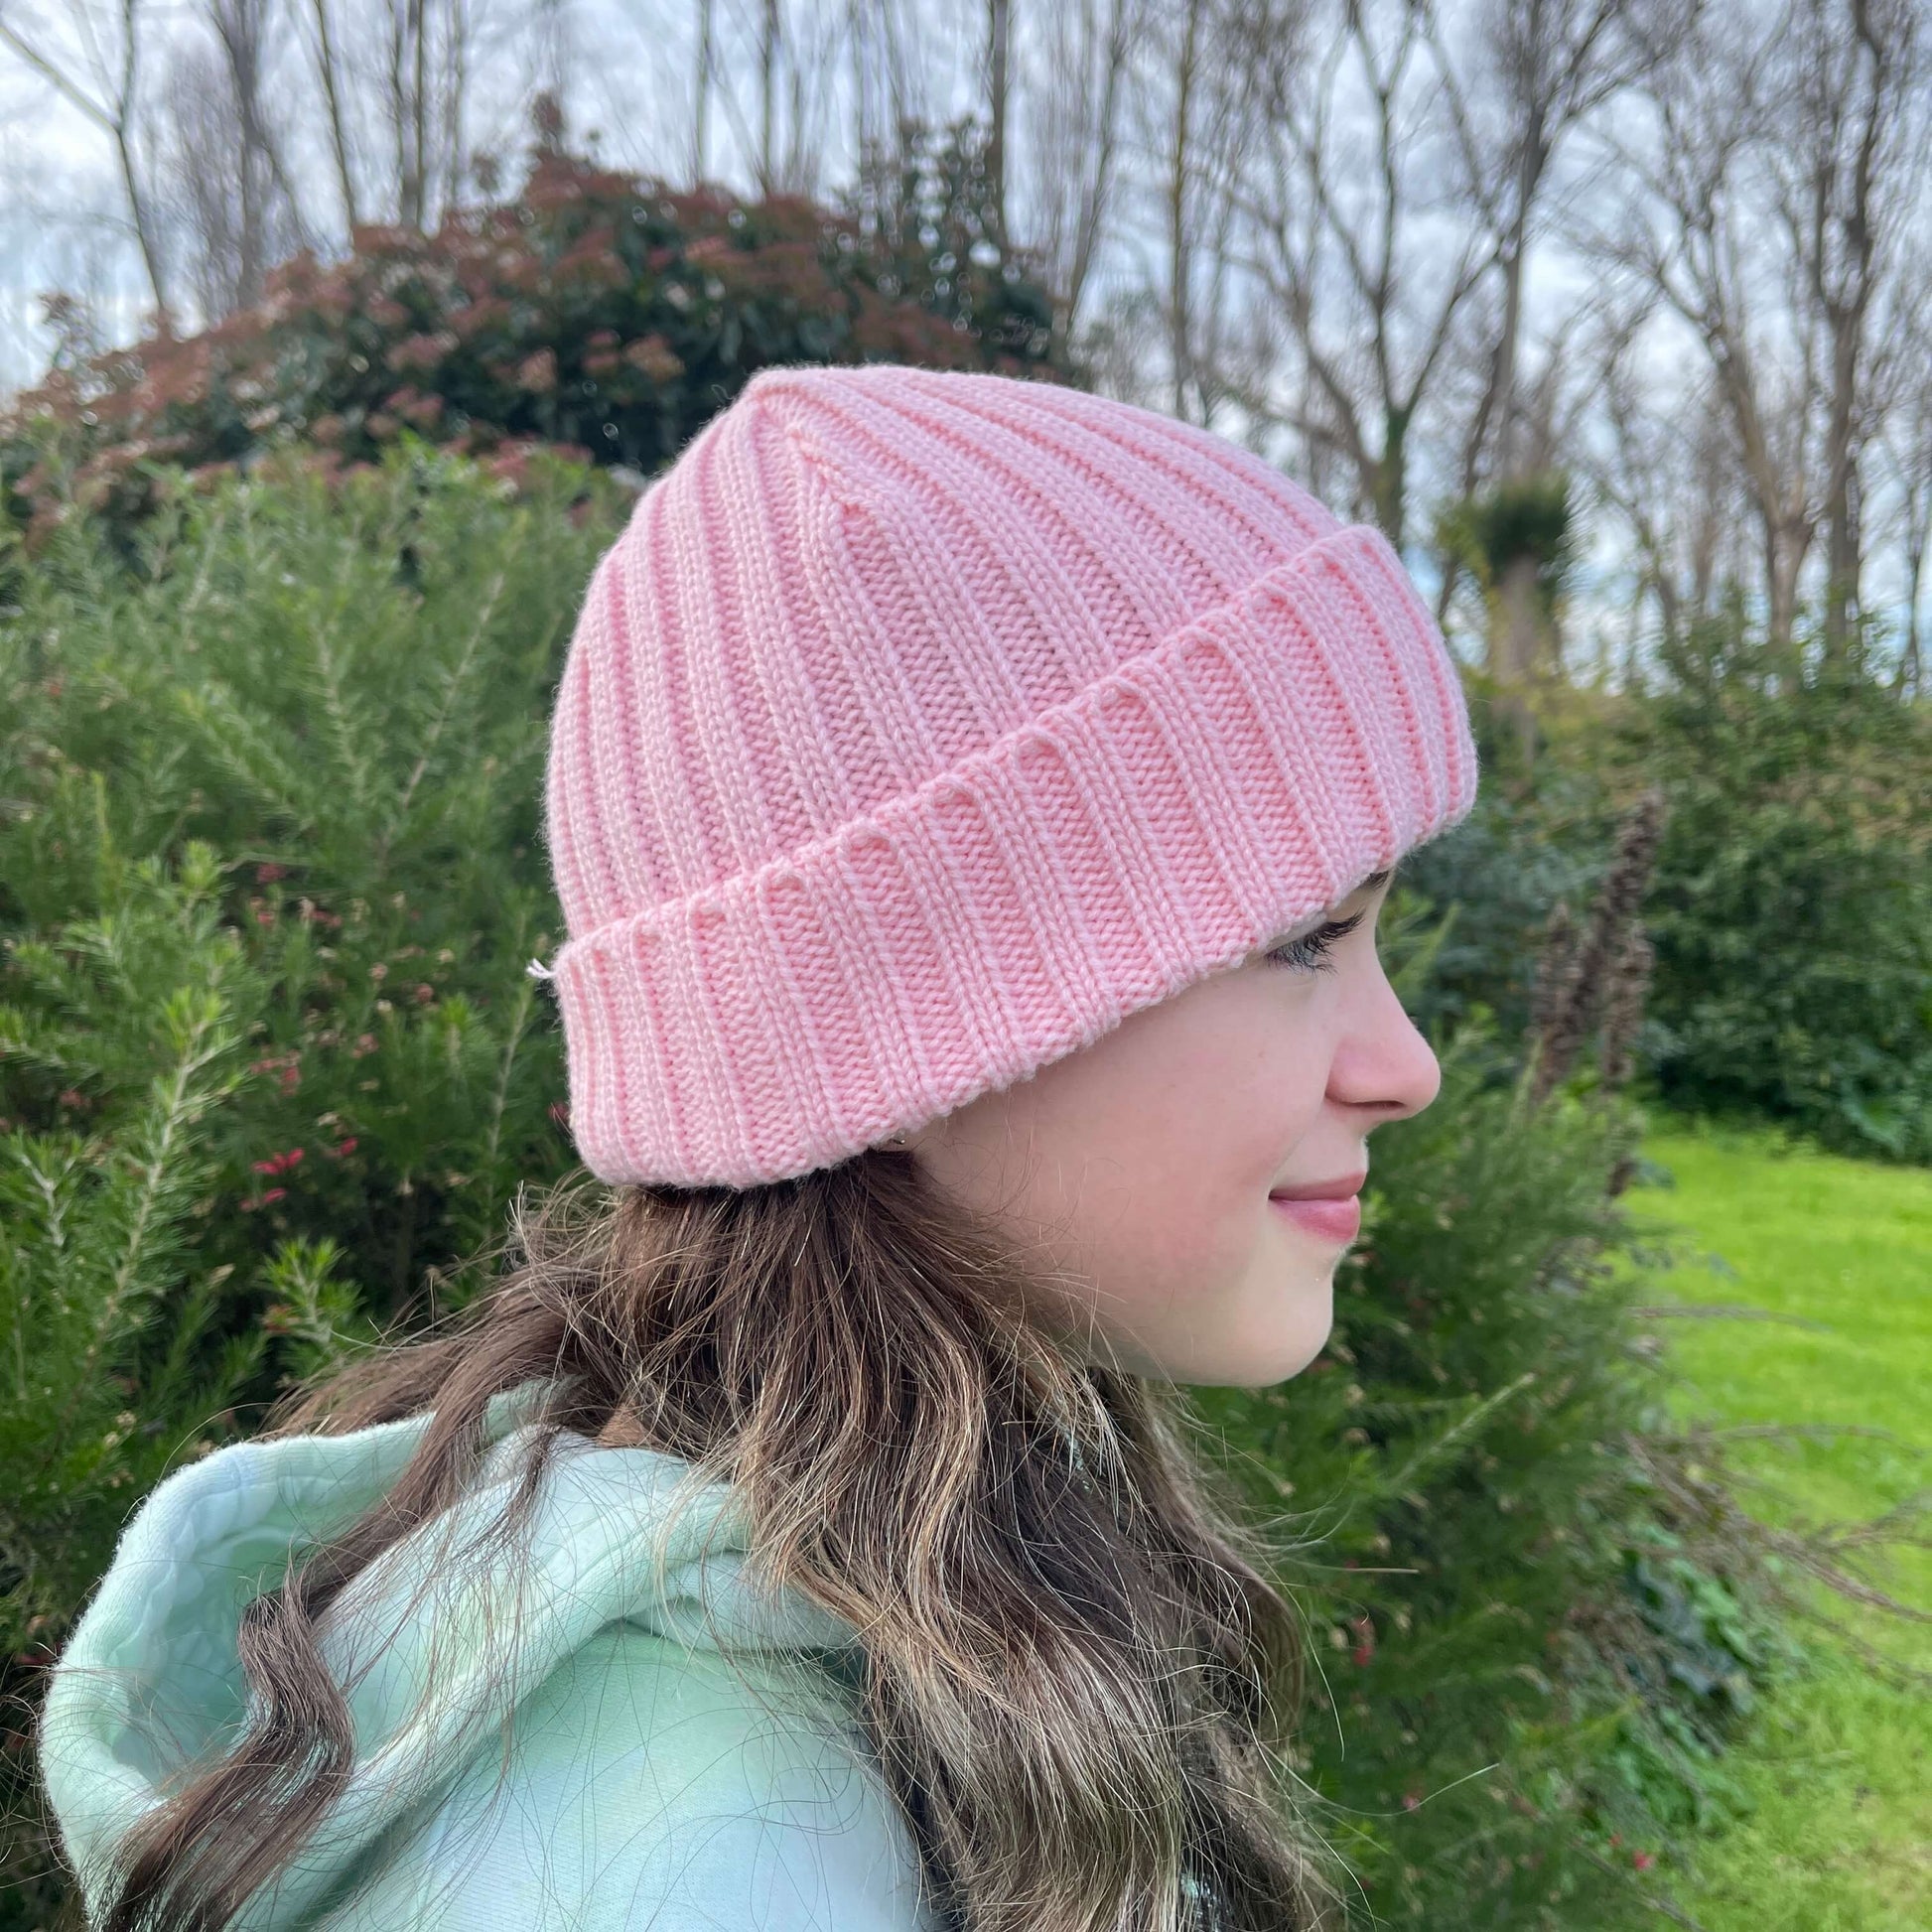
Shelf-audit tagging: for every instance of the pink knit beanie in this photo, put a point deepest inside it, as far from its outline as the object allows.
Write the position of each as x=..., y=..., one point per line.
x=922, y=725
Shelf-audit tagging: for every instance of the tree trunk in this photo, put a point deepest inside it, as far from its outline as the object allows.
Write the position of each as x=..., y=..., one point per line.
x=332, y=104
x=1907, y=680
x=418, y=217
x=1517, y=633
x=768, y=95
x=144, y=234
x=698, y=127
x=1388, y=480
x=998, y=21
x=1180, y=255
x=1784, y=558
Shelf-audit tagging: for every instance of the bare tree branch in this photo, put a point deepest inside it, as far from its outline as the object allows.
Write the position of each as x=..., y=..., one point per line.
x=100, y=79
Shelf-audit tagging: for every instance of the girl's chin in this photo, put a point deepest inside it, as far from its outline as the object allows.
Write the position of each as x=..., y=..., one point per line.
x=1300, y=1347
x=1284, y=1338
x=1263, y=1363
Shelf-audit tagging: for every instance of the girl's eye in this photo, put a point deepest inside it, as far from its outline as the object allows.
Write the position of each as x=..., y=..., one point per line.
x=1311, y=951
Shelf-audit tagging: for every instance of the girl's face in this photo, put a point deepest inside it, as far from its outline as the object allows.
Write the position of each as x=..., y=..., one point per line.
x=1141, y=1168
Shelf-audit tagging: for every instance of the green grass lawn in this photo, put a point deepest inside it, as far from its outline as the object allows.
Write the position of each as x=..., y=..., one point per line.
x=1839, y=1766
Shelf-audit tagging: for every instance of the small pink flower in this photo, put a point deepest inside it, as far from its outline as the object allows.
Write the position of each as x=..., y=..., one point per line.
x=1642, y=1861
x=268, y=872
x=538, y=372
x=1364, y=1630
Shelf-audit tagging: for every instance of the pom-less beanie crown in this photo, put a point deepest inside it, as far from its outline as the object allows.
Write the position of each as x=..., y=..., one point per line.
x=922, y=725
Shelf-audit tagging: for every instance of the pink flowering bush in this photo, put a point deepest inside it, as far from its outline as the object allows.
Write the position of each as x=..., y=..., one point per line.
x=603, y=316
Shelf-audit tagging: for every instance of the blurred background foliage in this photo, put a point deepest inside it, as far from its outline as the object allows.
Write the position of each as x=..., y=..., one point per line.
x=1790, y=908
x=596, y=314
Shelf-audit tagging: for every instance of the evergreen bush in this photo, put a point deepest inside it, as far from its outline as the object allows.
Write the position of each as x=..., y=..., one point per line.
x=1539, y=837
x=1792, y=910
x=1790, y=905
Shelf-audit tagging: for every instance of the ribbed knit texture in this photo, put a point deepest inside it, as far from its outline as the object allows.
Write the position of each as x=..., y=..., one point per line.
x=921, y=725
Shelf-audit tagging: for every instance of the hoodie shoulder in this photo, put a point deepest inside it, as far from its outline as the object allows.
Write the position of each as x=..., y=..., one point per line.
x=649, y=1784
x=615, y=1604
x=150, y=1676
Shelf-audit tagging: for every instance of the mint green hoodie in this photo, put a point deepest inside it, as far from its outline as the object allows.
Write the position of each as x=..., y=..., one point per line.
x=549, y=1734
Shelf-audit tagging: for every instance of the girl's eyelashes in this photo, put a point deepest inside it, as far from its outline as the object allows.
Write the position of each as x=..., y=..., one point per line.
x=1311, y=951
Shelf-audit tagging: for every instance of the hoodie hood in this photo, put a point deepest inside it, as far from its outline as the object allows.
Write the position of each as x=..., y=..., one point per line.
x=434, y=1643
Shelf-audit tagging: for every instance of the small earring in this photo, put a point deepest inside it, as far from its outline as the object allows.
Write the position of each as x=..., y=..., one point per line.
x=895, y=1140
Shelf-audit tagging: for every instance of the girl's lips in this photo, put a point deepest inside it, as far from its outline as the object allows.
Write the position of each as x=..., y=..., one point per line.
x=1329, y=1219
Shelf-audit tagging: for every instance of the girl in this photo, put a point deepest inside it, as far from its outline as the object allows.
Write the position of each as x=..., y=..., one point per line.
x=970, y=800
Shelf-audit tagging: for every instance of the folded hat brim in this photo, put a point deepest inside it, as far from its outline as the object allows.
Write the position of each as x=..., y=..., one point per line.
x=1154, y=828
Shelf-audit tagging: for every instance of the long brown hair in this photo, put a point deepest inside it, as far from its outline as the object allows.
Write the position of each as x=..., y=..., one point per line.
x=1079, y=1675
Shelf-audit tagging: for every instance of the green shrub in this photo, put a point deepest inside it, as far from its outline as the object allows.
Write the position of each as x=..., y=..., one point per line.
x=1792, y=907
x=340, y=687
x=1503, y=868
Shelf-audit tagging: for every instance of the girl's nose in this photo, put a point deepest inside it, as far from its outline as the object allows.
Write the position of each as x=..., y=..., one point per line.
x=1382, y=1059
